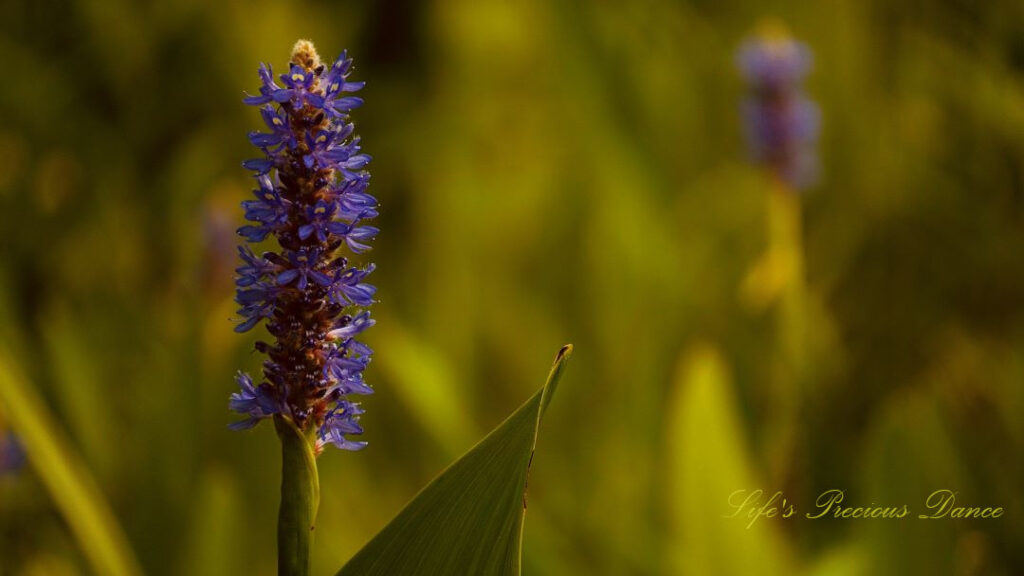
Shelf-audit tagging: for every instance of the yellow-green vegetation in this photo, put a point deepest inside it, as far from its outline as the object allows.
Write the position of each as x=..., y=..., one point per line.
x=549, y=171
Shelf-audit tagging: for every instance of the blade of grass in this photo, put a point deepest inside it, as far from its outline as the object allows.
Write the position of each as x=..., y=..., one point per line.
x=708, y=462
x=65, y=476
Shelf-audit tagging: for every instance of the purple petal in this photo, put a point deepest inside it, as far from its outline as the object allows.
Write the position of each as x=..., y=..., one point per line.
x=244, y=424
x=260, y=165
x=248, y=324
x=358, y=161
x=320, y=278
x=287, y=276
x=256, y=100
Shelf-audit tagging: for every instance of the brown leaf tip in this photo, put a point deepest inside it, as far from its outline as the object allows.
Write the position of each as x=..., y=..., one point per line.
x=565, y=351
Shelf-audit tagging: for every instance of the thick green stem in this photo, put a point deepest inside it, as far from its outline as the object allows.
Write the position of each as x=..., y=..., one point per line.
x=300, y=497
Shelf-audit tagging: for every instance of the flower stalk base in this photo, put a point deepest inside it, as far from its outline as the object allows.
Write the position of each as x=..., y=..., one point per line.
x=300, y=498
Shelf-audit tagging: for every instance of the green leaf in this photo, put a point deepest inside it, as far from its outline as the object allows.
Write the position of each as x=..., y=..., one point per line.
x=708, y=461
x=468, y=520
x=65, y=476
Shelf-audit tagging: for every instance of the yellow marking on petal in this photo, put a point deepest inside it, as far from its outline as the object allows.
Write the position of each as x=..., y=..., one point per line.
x=319, y=210
x=277, y=121
x=321, y=138
x=334, y=87
x=297, y=77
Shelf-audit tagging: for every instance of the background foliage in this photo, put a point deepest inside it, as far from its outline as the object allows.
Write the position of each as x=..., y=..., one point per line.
x=550, y=172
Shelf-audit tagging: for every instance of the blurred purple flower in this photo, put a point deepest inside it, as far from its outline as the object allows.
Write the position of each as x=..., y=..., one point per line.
x=12, y=454
x=782, y=124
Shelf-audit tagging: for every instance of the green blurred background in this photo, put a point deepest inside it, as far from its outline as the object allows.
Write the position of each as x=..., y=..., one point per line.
x=550, y=171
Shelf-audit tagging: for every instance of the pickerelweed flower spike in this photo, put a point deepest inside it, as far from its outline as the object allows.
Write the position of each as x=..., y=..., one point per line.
x=781, y=122
x=310, y=196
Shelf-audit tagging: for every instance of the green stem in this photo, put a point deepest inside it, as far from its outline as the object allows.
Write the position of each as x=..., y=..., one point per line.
x=300, y=497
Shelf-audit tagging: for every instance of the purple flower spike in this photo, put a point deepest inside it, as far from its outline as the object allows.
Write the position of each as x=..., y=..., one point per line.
x=311, y=198
x=782, y=124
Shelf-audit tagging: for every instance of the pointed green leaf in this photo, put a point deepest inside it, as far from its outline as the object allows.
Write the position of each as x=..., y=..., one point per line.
x=468, y=520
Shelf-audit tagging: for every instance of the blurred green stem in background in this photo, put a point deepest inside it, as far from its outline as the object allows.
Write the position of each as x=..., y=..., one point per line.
x=778, y=278
x=785, y=220
x=300, y=498
x=65, y=476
